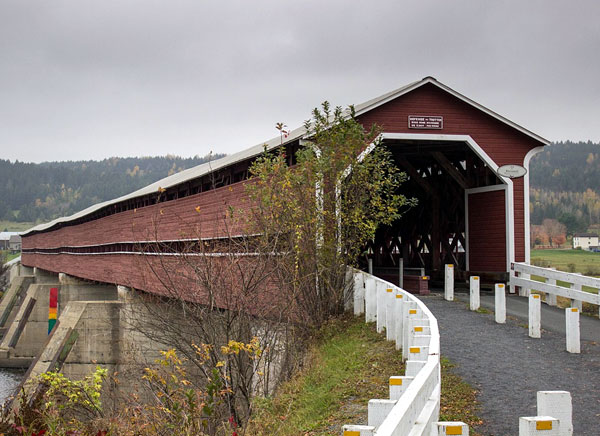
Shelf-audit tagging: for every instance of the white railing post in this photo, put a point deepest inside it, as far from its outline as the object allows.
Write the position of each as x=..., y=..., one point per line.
x=359, y=293
x=398, y=384
x=523, y=291
x=409, y=311
x=449, y=282
x=577, y=303
x=399, y=319
x=381, y=305
x=450, y=428
x=572, y=327
x=500, y=303
x=538, y=425
x=474, y=301
x=551, y=298
x=390, y=310
x=370, y=299
x=414, y=402
x=557, y=404
x=378, y=410
x=358, y=430
x=535, y=304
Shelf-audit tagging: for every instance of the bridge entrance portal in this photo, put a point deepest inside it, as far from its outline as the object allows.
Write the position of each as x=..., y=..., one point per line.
x=460, y=217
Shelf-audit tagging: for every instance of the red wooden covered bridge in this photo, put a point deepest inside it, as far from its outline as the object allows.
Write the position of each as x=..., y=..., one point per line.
x=469, y=213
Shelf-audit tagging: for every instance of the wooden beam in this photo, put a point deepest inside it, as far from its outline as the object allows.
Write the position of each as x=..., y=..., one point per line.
x=418, y=178
x=451, y=169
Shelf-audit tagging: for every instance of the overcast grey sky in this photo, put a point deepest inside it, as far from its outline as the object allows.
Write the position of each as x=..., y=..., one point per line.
x=87, y=79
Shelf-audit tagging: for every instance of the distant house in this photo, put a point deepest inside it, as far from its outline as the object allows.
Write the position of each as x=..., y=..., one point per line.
x=586, y=241
x=15, y=243
x=5, y=240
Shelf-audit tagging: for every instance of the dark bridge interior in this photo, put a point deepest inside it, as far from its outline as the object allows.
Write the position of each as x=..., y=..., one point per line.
x=432, y=233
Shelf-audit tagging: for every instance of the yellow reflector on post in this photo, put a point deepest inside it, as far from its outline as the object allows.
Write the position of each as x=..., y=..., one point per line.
x=543, y=425
x=454, y=430
x=414, y=349
x=395, y=381
x=412, y=311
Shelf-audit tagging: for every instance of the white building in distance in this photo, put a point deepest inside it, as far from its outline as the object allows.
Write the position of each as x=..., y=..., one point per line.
x=586, y=241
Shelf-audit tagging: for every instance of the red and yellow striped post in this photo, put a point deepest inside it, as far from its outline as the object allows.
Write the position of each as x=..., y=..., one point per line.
x=53, y=309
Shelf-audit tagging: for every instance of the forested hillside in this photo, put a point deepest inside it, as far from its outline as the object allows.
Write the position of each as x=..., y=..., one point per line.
x=565, y=185
x=564, y=180
x=41, y=192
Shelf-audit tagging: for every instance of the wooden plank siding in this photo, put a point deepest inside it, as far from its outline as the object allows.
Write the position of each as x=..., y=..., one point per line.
x=487, y=231
x=501, y=142
x=180, y=219
x=169, y=220
x=173, y=276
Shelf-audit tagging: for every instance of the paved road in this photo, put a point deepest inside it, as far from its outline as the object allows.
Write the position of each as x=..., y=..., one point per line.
x=508, y=367
x=553, y=318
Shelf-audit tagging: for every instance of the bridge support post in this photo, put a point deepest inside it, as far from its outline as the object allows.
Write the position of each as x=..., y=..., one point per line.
x=474, y=301
x=572, y=328
x=401, y=273
x=535, y=316
x=449, y=282
x=500, y=303
x=557, y=404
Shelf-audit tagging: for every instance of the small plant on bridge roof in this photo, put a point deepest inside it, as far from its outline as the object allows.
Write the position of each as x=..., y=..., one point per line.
x=324, y=207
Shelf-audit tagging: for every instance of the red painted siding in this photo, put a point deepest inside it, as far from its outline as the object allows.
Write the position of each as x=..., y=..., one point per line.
x=487, y=231
x=501, y=142
x=170, y=220
x=255, y=290
x=163, y=221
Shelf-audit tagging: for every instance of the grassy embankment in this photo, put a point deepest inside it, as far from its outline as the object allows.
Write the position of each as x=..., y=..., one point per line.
x=348, y=364
x=580, y=261
x=7, y=256
x=584, y=262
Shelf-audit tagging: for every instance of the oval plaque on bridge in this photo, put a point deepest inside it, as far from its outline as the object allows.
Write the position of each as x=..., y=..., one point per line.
x=512, y=171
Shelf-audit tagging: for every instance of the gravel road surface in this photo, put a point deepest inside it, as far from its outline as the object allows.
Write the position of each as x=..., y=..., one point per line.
x=508, y=367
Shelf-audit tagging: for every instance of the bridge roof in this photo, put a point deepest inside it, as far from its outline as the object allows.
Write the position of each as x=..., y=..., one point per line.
x=206, y=168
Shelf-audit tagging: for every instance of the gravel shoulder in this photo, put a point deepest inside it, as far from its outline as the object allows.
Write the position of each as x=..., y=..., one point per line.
x=508, y=367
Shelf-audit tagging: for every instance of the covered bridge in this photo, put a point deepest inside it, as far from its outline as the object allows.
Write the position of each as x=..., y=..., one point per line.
x=450, y=146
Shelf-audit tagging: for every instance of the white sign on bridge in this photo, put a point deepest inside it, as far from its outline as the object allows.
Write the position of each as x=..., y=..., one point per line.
x=512, y=171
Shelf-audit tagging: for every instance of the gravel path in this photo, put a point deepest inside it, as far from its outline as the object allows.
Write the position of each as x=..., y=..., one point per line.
x=508, y=367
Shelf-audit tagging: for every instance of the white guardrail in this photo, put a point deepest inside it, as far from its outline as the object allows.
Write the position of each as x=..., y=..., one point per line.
x=521, y=276
x=413, y=406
